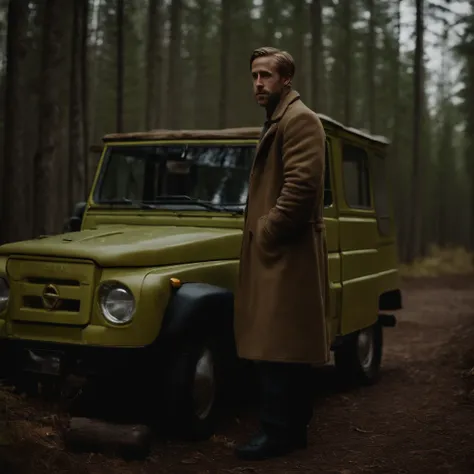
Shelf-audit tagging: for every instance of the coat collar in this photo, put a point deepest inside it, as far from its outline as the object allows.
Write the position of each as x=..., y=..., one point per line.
x=278, y=113
x=284, y=103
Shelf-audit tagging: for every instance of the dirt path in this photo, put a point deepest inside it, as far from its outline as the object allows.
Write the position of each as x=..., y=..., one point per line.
x=418, y=419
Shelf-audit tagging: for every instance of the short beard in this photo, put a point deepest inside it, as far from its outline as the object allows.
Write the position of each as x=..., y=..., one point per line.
x=273, y=100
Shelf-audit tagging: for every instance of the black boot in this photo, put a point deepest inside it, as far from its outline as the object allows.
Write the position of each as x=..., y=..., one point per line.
x=285, y=411
x=264, y=445
x=300, y=439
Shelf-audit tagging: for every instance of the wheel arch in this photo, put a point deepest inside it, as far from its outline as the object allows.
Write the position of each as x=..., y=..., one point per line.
x=196, y=306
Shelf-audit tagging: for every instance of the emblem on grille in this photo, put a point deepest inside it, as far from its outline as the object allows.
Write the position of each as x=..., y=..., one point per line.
x=50, y=297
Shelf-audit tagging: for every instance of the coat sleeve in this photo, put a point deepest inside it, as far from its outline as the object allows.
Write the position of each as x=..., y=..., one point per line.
x=303, y=155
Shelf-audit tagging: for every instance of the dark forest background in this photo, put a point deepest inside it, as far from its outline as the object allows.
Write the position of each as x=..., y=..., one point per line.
x=73, y=70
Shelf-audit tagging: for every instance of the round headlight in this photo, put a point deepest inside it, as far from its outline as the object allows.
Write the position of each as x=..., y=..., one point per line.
x=4, y=293
x=117, y=303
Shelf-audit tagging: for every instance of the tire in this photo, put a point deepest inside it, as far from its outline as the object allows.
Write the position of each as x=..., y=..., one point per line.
x=192, y=391
x=359, y=358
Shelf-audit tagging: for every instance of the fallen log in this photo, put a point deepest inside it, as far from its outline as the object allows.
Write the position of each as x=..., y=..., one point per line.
x=128, y=441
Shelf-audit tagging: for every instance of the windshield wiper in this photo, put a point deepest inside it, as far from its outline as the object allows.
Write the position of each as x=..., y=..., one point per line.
x=178, y=199
x=172, y=199
x=131, y=202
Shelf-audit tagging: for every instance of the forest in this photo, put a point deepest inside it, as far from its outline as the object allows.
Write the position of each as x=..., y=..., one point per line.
x=72, y=71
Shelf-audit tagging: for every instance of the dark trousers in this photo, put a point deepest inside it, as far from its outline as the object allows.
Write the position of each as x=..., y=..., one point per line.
x=286, y=398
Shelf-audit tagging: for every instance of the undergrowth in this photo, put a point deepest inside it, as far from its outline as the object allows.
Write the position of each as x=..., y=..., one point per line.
x=441, y=262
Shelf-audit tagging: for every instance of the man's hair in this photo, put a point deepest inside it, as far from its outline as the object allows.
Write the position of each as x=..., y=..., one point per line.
x=284, y=60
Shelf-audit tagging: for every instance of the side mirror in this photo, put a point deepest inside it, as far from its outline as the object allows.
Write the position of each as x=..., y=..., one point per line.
x=73, y=224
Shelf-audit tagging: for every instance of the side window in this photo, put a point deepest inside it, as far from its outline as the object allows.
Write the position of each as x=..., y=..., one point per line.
x=381, y=198
x=355, y=169
x=327, y=180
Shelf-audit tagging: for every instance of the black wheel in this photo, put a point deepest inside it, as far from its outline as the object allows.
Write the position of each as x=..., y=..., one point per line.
x=192, y=390
x=359, y=358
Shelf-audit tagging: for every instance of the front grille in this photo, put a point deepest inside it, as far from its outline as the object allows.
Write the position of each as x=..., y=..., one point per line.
x=64, y=304
x=50, y=291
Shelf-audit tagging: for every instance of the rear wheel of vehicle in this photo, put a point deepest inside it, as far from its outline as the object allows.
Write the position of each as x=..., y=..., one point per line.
x=359, y=358
x=192, y=391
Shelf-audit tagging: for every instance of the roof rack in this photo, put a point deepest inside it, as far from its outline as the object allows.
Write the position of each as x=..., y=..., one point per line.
x=237, y=133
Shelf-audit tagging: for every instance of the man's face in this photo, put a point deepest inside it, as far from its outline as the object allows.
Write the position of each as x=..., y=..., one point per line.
x=266, y=80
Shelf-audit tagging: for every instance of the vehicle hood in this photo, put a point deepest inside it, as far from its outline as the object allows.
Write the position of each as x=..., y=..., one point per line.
x=135, y=246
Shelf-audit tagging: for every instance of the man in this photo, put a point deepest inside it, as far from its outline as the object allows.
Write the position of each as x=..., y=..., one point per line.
x=281, y=301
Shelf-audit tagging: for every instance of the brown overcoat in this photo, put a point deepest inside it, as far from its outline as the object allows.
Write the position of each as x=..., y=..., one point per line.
x=282, y=296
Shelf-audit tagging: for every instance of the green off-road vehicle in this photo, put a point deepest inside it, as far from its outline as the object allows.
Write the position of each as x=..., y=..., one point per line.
x=138, y=292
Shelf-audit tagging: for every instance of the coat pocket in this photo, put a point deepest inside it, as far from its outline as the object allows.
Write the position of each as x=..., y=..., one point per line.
x=262, y=236
x=268, y=250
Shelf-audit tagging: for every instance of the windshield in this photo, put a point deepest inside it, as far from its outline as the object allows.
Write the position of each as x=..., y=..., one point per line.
x=177, y=176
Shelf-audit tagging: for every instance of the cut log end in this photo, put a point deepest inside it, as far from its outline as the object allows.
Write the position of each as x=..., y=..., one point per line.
x=129, y=441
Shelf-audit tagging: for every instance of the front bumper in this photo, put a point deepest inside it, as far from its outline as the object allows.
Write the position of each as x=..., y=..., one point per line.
x=61, y=360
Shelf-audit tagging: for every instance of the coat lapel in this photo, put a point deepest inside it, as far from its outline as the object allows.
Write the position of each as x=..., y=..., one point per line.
x=266, y=139
x=280, y=110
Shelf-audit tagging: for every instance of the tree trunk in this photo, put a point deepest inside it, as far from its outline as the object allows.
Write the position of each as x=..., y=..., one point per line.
x=469, y=153
x=299, y=29
x=95, y=69
x=347, y=28
x=120, y=65
x=226, y=14
x=173, y=100
x=371, y=48
x=49, y=182
x=317, y=57
x=414, y=235
x=469, y=131
x=77, y=148
x=201, y=101
x=154, y=64
x=15, y=197
x=85, y=95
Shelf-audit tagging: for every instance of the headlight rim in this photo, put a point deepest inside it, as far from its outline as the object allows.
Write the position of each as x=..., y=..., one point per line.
x=104, y=290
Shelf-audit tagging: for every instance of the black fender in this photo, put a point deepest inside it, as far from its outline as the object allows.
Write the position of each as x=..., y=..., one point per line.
x=198, y=307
